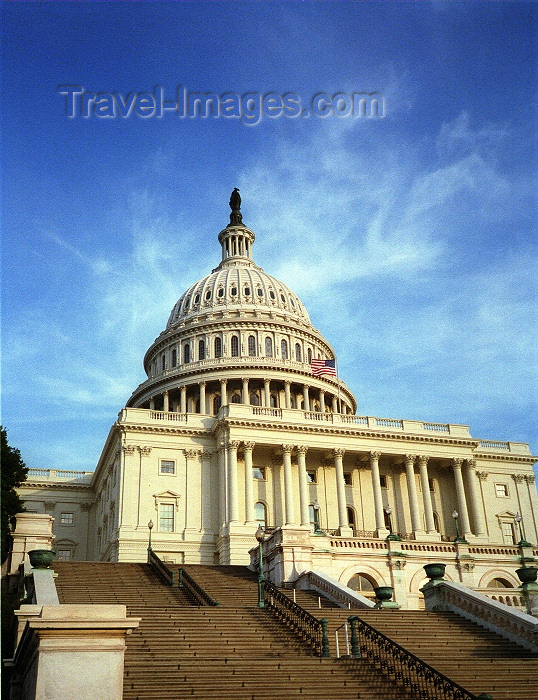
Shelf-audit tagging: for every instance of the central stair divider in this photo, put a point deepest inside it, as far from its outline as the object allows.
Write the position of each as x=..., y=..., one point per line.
x=160, y=568
x=403, y=667
x=309, y=628
x=194, y=589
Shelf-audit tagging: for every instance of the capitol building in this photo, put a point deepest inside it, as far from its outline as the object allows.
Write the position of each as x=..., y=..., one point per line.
x=242, y=421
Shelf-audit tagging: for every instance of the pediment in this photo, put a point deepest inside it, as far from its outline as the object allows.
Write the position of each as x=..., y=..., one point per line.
x=167, y=494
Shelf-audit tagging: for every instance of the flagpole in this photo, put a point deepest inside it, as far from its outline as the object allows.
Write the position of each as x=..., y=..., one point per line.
x=338, y=382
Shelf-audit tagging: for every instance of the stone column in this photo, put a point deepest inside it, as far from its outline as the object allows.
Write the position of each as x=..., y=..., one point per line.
x=202, y=398
x=152, y=403
x=340, y=487
x=267, y=392
x=476, y=508
x=183, y=399
x=233, y=483
x=166, y=403
x=288, y=486
x=245, y=397
x=416, y=525
x=426, y=495
x=193, y=491
x=222, y=485
x=249, y=486
x=287, y=393
x=306, y=398
x=378, y=498
x=223, y=392
x=207, y=513
x=322, y=401
x=303, y=484
x=460, y=495
x=335, y=404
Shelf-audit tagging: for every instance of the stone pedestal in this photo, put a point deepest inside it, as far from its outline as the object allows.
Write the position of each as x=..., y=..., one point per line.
x=287, y=553
x=529, y=591
x=32, y=531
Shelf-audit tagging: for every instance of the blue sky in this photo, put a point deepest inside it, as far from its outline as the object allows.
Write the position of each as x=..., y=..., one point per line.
x=410, y=238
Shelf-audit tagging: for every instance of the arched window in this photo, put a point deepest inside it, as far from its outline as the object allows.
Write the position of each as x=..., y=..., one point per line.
x=351, y=517
x=260, y=513
x=186, y=353
x=268, y=347
x=363, y=584
x=163, y=363
x=499, y=583
x=216, y=404
x=284, y=349
x=273, y=401
x=436, y=522
x=235, y=346
x=174, y=357
x=309, y=355
x=201, y=350
x=218, y=347
x=297, y=352
x=254, y=399
x=252, y=346
x=236, y=397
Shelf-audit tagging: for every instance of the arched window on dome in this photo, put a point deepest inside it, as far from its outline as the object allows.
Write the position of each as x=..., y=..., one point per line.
x=309, y=356
x=260, y=513
x=297, y=352
x=273, y=401
x=201, y=350
x=254, y=399
x=235, y=346
x=236, y=397
x=174, y=357
x=284, y=349
x=268, y=347
x=363, y=584
x=163, y=363
x=218, y=347
x=252, y=346
x=186, y=353
x=216, y=404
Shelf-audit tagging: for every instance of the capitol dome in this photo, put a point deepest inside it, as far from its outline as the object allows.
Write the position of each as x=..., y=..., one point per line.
x=239, y=335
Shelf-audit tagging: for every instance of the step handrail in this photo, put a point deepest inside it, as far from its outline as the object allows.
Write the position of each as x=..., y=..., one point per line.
x=404, y=667
x=308, y=627
x=185, y=580
x=160, y=568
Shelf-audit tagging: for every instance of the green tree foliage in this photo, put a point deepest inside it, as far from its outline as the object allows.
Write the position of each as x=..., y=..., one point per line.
x=14, y=472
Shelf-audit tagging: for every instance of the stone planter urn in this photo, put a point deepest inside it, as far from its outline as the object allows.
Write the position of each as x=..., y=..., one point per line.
x=435, y=572
x=383, y=593
x=41, y=558
x=527, y=574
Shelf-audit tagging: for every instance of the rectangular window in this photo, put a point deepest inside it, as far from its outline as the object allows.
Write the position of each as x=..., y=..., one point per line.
x=432, y=485
x=66, y=518
x=168, y=466
x=311, y=477
x=166, y=517
x=508, y=533
x=501, y=490
x=347, y=478
x=258, y=473
x=64, y=554
x=383, y=481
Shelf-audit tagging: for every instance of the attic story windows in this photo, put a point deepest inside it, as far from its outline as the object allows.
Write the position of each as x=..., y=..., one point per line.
x=168, y=466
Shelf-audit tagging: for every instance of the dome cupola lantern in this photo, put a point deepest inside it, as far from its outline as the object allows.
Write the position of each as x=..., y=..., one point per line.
x=236, y=239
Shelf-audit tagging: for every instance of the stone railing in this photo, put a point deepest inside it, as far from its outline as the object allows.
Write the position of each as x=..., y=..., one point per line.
x=331, y=589
x=71, y=474
x=508, y=596
x=515, y=625
x=519, y=448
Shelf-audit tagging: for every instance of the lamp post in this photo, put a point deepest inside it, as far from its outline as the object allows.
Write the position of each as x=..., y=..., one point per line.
x=150, y=528
x=260, y=536
x=458, y=539
x=522, y=541
x=317, y=530
x=391, y=536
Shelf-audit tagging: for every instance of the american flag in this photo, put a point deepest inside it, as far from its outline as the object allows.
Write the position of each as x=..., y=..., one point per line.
x=323, y=367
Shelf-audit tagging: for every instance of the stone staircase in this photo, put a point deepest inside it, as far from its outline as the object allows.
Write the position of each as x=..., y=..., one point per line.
x=231, y=651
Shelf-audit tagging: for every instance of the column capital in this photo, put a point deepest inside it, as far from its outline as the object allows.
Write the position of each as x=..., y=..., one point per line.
x=375, y=455
x=165, y=391
x=244, y=379
x=191, y=454
x=518, y=478
x=223, y=381
x=339, y=452
x=410, y=459
x=234, y=444
x=457, y=462
x=483, y=476
x=249, y=445
x=266, y=380
x=144, y=449
x=287, y=449
x=202, y=383
x=530, y=478
x=423, y=459
x=471, y=463
x=207, y=454
x=129, y=449
x=302, y=449
x=287, y=382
